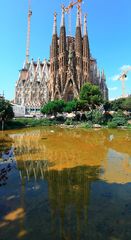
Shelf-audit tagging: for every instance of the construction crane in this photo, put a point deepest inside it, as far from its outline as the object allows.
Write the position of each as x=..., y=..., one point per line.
x=122, y=78
x=68, y=11
x=28, y=31
x=72, y=4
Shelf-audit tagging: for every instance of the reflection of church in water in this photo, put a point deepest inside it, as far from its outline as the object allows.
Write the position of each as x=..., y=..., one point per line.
x=69, y=67
x=68, y=196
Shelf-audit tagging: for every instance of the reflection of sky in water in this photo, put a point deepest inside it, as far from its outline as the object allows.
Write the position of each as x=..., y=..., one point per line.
x=89, y=198
x=117, y=167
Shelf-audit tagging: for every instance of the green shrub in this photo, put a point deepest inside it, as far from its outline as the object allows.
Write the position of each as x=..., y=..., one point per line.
x=106, y=118
x=107, y=105
x=82, y=105
x=112, y=125
x=95, y=116
x=53, y=107
x=119, y=118
x=116, y=104
x=29, y=122
x=87, y=125
x=70, y=106
x=121, y=103
x=14, y=125
x=128, y=126
x=69, y=121
x=126, y=105
x=88, y=116
x=60, y=119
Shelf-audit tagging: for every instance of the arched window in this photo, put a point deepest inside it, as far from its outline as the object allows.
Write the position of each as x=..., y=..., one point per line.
x=69, y=96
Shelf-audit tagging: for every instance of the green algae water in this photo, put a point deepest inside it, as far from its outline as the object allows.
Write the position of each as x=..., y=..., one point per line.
x=65, y=184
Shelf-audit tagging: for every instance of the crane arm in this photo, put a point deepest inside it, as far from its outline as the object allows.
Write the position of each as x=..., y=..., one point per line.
x=72, y=4
x=124, y=73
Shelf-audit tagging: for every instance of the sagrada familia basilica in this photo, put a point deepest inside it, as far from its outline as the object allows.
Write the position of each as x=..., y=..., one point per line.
x=70, y=66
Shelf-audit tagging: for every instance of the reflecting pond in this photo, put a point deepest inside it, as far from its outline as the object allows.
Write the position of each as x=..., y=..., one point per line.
x=68, y=184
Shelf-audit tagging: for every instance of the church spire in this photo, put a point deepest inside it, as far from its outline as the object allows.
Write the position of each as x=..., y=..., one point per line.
x=86, y=52
x=78, y=49
x=78, y=37
x=62, y=41
x=78, y=22
x=54, y=45
x=85, y=25
x=103, y=74
x=55, y=24
x=86, y=48
x=63, y=17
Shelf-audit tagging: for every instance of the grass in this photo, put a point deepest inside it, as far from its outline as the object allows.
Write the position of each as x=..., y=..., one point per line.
x=29, y=122
x=32, y=122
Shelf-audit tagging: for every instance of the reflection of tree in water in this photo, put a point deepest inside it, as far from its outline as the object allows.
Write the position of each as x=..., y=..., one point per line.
x=6, y=160
x=25, y=150
x=4, y=174
x=5, y=142
x=61, y=147
x=68, y=193
x=5, y=146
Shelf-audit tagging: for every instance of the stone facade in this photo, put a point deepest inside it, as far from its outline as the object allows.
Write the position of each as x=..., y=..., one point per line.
x=32, y=86
x=19, y=110
x=70, y=66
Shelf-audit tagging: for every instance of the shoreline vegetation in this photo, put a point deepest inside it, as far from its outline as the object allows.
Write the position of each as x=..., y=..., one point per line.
x=89, y=111
x=60, y=121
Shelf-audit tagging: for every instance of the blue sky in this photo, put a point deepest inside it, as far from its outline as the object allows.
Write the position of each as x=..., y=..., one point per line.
x=109, y=30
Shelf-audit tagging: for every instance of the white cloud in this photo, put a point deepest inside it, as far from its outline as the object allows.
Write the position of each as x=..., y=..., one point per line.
x=122, y=68
x=111, y=99
x=113, y=88
x=114, y=78
x=125, y=67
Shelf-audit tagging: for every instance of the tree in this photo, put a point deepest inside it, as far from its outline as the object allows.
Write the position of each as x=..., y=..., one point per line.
x=91, y=94
x=126, y=105
x=70, y=106
x=53, y=107
x=76, y=105
x=121, y=104
x=6, y=111
x=116, y=104
x=107, y=106
x=82, y=105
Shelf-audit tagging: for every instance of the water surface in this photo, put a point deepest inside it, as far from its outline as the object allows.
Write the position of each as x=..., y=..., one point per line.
x=66, y=184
